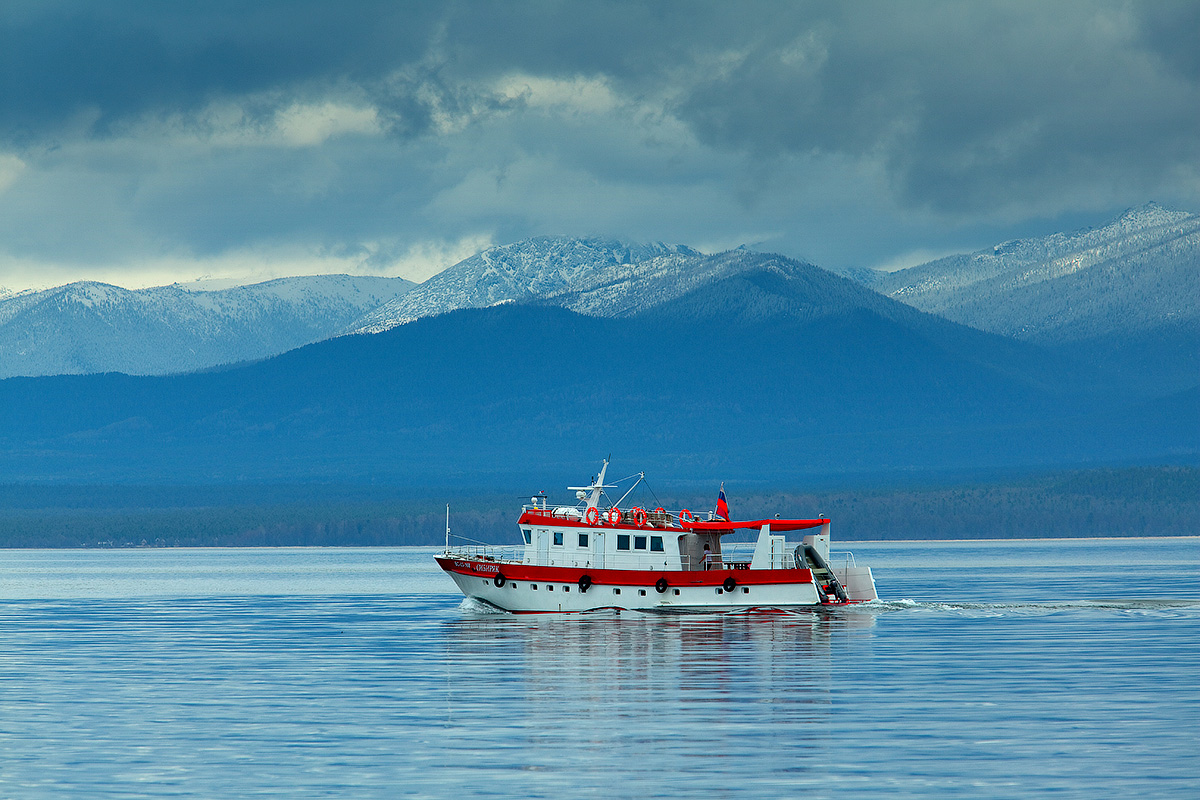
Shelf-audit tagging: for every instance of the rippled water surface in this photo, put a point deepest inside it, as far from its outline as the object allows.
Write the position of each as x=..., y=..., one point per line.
x=994, y=669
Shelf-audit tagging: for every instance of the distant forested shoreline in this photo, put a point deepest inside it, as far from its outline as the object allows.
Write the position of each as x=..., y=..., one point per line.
x=1134, y=501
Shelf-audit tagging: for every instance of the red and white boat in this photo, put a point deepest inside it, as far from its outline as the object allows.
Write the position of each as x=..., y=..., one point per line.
x=600, y=555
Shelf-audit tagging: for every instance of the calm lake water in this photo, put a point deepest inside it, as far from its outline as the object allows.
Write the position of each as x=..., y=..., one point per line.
x=991, y=669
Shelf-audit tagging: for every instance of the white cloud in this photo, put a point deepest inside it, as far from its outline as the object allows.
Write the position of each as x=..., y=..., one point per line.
x=11, y=168
x=237, y=123
x=238, y=267
x=580, y=94
x=417, y=261
x=309, y=125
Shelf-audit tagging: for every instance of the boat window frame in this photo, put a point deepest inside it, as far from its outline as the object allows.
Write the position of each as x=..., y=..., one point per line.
x=656, y=540
x=527, y=533
x=641, y=541
x=623, y=538
x=583, y=540
x=556, y=539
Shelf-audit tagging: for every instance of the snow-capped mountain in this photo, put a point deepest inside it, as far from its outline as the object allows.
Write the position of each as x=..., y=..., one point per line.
x=541, y=267
x=1138, y=272
x=89, y=327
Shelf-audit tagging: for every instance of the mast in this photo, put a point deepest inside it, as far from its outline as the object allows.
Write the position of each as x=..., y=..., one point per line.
x=447, y=527
x=596, y=488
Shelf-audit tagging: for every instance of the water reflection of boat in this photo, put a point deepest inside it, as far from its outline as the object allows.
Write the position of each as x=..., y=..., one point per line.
x=598, y=554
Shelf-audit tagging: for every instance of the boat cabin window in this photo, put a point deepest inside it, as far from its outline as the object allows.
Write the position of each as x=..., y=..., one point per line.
x=656, y=544
x=639, y=543
x=558, y=538
x=583, y=540
x=622, y=541
x=528, y=534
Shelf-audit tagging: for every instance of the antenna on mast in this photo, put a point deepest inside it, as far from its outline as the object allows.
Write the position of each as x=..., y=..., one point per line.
x=593, y=491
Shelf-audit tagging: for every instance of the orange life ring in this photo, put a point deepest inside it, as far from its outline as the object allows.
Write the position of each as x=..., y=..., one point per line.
x=614, y=515
x=660, y=510
x=639, y=517
x=689, y=516
x=592, y=516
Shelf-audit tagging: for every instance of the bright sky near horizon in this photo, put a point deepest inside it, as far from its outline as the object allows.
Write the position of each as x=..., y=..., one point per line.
x=145, y=143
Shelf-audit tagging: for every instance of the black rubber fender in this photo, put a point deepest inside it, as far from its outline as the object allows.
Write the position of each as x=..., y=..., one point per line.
x=730, y=584
x=499, y=579
x=660, y=585
x=585, y=582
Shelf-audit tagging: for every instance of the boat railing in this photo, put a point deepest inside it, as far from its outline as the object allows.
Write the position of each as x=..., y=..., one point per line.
x=485, y=552
x=654, y=519
x=845, y=555
x=734, y=556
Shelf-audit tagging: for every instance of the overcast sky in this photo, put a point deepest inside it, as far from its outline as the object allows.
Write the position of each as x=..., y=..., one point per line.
x=143, y=143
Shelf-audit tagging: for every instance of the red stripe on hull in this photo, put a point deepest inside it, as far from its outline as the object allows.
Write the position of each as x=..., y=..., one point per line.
x=623, y=577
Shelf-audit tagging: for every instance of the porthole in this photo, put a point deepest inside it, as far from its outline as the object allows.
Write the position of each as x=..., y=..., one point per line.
x=676, y=592
x=566, y=588
x=533, y=586
x=642, y=592
x=745, y=590
x=549, y=587
x=616, y=591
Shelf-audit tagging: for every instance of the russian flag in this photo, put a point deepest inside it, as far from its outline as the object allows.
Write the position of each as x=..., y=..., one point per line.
x=722, y=506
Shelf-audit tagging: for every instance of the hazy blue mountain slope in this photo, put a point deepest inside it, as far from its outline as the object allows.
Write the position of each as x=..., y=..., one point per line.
x=1123, y=296
x=92, y=327
x=487, y=396
x=771, y=290
x=1147, y=236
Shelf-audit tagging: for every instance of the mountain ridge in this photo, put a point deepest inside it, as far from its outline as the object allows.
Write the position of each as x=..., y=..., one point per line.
x=476, y=396
x=1121, y=296
x=532, y=268
x=91, y=327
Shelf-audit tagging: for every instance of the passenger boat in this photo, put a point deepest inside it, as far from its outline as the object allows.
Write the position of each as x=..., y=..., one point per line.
x=601, y=555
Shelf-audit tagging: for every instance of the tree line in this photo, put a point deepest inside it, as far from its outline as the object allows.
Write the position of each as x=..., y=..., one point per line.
x=1150, y=501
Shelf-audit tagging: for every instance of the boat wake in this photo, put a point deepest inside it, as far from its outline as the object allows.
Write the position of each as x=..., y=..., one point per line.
x=1122, y=605
x=471, y=605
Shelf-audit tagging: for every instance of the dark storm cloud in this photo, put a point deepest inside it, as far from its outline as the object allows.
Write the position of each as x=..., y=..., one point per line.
x=126, y=58
x=971, y=105
x=963, y=102
x=131, y=128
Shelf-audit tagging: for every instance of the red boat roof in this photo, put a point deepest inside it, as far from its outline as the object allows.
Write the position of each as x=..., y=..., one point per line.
x=776, y=524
